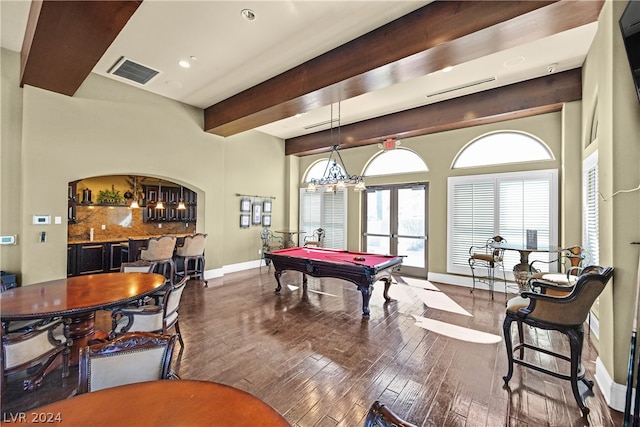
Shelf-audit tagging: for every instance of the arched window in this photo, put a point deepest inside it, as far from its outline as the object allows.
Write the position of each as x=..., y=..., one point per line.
x=502, y=147
x=400, y=160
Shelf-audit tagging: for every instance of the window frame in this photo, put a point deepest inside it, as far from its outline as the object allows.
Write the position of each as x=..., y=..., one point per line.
x=331, y=239
x=457, y=251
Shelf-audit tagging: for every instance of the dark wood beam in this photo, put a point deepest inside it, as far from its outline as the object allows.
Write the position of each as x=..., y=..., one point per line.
x=64, y=40
x=531, y=97
x=439, y=34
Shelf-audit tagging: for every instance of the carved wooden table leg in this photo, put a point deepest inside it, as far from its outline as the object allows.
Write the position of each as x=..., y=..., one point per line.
x=81, y=330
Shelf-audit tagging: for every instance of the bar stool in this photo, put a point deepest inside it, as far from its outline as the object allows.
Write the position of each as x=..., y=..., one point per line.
x=192, y=251
x=160, y=251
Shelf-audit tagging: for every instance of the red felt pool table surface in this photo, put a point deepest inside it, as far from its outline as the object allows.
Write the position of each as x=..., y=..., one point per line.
x=339, y=256
x=360, y=268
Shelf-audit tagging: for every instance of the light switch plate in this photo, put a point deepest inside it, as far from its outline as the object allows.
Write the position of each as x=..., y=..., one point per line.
x=41, y=219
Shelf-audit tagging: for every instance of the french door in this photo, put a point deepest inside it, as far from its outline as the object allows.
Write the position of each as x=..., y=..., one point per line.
x=395, y=223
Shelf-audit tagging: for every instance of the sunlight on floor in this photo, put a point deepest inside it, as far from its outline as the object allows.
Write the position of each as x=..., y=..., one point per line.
x=456, y=332
x=430, y=295
x=434, y=298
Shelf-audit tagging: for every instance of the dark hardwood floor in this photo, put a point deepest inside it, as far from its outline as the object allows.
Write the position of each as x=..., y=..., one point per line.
x=313, y=357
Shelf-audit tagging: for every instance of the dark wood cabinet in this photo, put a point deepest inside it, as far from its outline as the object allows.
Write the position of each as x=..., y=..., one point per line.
x=72, y=260
x=114, y=256
x=90, y=258
x=93, y=258
x=170, y=197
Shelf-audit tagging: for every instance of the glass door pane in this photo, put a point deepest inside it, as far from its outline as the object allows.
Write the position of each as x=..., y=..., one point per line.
x=411, y=225
x=378, y=226
x=396, y=224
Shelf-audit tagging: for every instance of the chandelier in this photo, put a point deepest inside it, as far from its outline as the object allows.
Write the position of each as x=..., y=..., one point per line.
x=335, y=176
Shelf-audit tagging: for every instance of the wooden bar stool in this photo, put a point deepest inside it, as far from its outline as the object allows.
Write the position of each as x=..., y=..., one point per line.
x=192, y=252
x=160, y=251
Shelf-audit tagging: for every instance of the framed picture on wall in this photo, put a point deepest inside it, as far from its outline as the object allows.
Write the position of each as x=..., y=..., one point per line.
x=257, y=214
x=245, y=220
x=266, y=206
x=266, y=220
x=245, y=205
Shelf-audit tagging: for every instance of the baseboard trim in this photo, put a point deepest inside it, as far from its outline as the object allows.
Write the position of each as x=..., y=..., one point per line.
x=614, y=393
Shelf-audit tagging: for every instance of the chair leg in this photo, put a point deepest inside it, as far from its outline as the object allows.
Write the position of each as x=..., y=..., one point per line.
x=491, y=272
x=473, y=275
x=506, y=331
x=179, y=334
x=521, y=338
x=576, y=338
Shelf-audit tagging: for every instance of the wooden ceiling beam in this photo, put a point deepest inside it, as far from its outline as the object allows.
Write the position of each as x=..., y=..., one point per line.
x=64, y=40
x=531, y=97
x=438, y=34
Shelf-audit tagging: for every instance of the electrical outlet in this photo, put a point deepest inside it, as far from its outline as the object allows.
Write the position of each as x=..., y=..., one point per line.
x=159, y=225
x=104, y=227
x=259, y=251
x=43, y=237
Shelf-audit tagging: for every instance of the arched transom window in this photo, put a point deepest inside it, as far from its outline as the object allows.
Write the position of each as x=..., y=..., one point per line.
x=502, y=147
x=400, y=160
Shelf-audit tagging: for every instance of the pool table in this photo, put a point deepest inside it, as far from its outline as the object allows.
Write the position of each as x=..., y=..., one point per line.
x=361, y=268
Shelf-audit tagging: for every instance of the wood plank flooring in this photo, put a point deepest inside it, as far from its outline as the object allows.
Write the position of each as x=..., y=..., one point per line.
x=314, y=358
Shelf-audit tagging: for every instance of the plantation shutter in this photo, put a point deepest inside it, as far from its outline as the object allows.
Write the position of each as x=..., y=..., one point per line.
x=590, y=223
x=326, y=210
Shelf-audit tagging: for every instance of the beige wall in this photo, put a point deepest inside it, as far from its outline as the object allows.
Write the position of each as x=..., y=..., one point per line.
x=10, y=159
x=109, y=128
x=608, y=90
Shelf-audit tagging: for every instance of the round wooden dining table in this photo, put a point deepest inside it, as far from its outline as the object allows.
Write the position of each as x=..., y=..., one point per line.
x=172, y=403
x=77, y=298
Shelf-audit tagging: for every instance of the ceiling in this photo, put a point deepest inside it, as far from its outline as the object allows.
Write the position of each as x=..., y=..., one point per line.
x=229, y=54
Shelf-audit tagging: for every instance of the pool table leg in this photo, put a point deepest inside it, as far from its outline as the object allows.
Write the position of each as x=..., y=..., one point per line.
x=385, y=293
x=366, y=296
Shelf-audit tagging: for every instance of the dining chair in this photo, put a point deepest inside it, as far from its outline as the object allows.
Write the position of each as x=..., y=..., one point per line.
x=139, y=266
x=160, y=251
x=32, y=344
x=565, y=314
x=487, y=258
x=191, y=251
x=130, y=358
x=570, y=262
x=158, y=318
x=381, y=416
x=315, y=239
x=270, y=242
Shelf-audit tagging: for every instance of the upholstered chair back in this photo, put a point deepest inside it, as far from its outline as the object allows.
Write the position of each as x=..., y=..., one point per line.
x=159, y=248
x=139, y=266
x=131, y=358
x=193, y=245
x=573, y=308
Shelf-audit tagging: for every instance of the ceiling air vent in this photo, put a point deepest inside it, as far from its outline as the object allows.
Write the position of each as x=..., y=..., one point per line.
x=127, y=69
x=463, y=86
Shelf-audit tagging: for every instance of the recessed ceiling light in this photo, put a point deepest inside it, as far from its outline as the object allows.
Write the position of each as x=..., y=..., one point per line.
x=184, y=63
x=248, y=14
